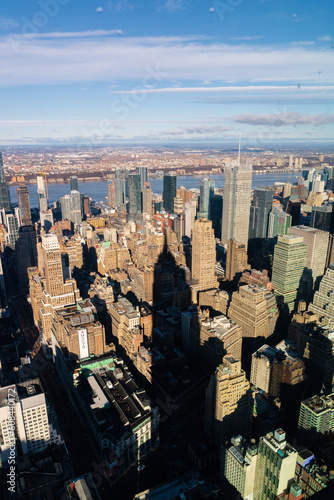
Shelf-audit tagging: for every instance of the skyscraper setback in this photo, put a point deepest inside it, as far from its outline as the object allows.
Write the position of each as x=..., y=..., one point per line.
x=236, y=203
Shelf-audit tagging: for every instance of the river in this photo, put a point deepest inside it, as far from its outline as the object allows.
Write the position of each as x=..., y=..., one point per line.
x=98, y=190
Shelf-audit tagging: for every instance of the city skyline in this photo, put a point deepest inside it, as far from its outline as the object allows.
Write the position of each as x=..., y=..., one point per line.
x=166, y=71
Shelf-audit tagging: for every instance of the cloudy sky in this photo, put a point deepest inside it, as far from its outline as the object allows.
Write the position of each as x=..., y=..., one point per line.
x=166, y=71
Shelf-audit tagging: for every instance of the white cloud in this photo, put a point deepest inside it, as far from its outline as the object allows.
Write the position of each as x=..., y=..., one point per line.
x=70, y=34
x=285, y=119
x=95, y=56
x=99, y=9
x=230, y=89
x=7, y=23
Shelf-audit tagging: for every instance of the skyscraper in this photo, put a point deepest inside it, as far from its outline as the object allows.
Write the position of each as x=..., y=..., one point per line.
x=26, y=255
x=169, y=192
x=41, y=194
x=4, y=311
x=279, y=222
x=275, y=466
x=66, y=207
x=259, y=213
x=147, y=199
x=207, y=190
x=12, y=229
x=236, y=260
x=323, y=300
x=204, y=254
x=143, y=172
x=4, y=193
x=74, y=183
x=316, y=253
x=112, y=195
x=119, y=187
x=288, y=266
x=134, y=194
x=229, y=403
x=24, y=205
x=236, y=203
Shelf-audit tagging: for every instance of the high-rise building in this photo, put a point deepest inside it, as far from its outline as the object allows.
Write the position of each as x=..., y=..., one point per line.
x=275, y=369
x=293, y=208
x=229, y=403
x=41, y=193
x=287, y=189
x=316, y=253
x=169, y=192
x=86, y=205
x=259, y=213
x=279, y=222
x=4, y=311
x=288, y=266
x=134, y=194
x=216, y=210
x=178, y=206
x=143, y=172
x=26, y=255
x=24, y=205
x=219, y=336
x=50, y=291
x=204, y=255
x=207, y=190
x=236, y=202
x=74, y=183
x=236, y=259
x=147, y=200
x=323, y=300
x=12, y=229
x=66, y=207
x=255, y=310
x=322, y=218
x=275, y=465
x=34, y=426
x=4, y=193
x=316, y=419
x=76, y=207
x=119, y=187
x=46, y=219
x=112, y=195
x=238, y=465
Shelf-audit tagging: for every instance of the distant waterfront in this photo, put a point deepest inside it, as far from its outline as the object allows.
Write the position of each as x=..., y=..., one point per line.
x=98, y=190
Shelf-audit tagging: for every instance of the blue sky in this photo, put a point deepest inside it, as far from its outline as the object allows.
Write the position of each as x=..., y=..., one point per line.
x=166, y=71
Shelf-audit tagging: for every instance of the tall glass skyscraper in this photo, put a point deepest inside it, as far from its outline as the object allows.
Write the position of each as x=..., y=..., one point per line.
x=134, y=194
x=4, y=193
x=143, y=172
x=74, y=183
x=169, y=192
x=118, y=187
x=259, y=213
x=206, y=193
x=236, y=204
